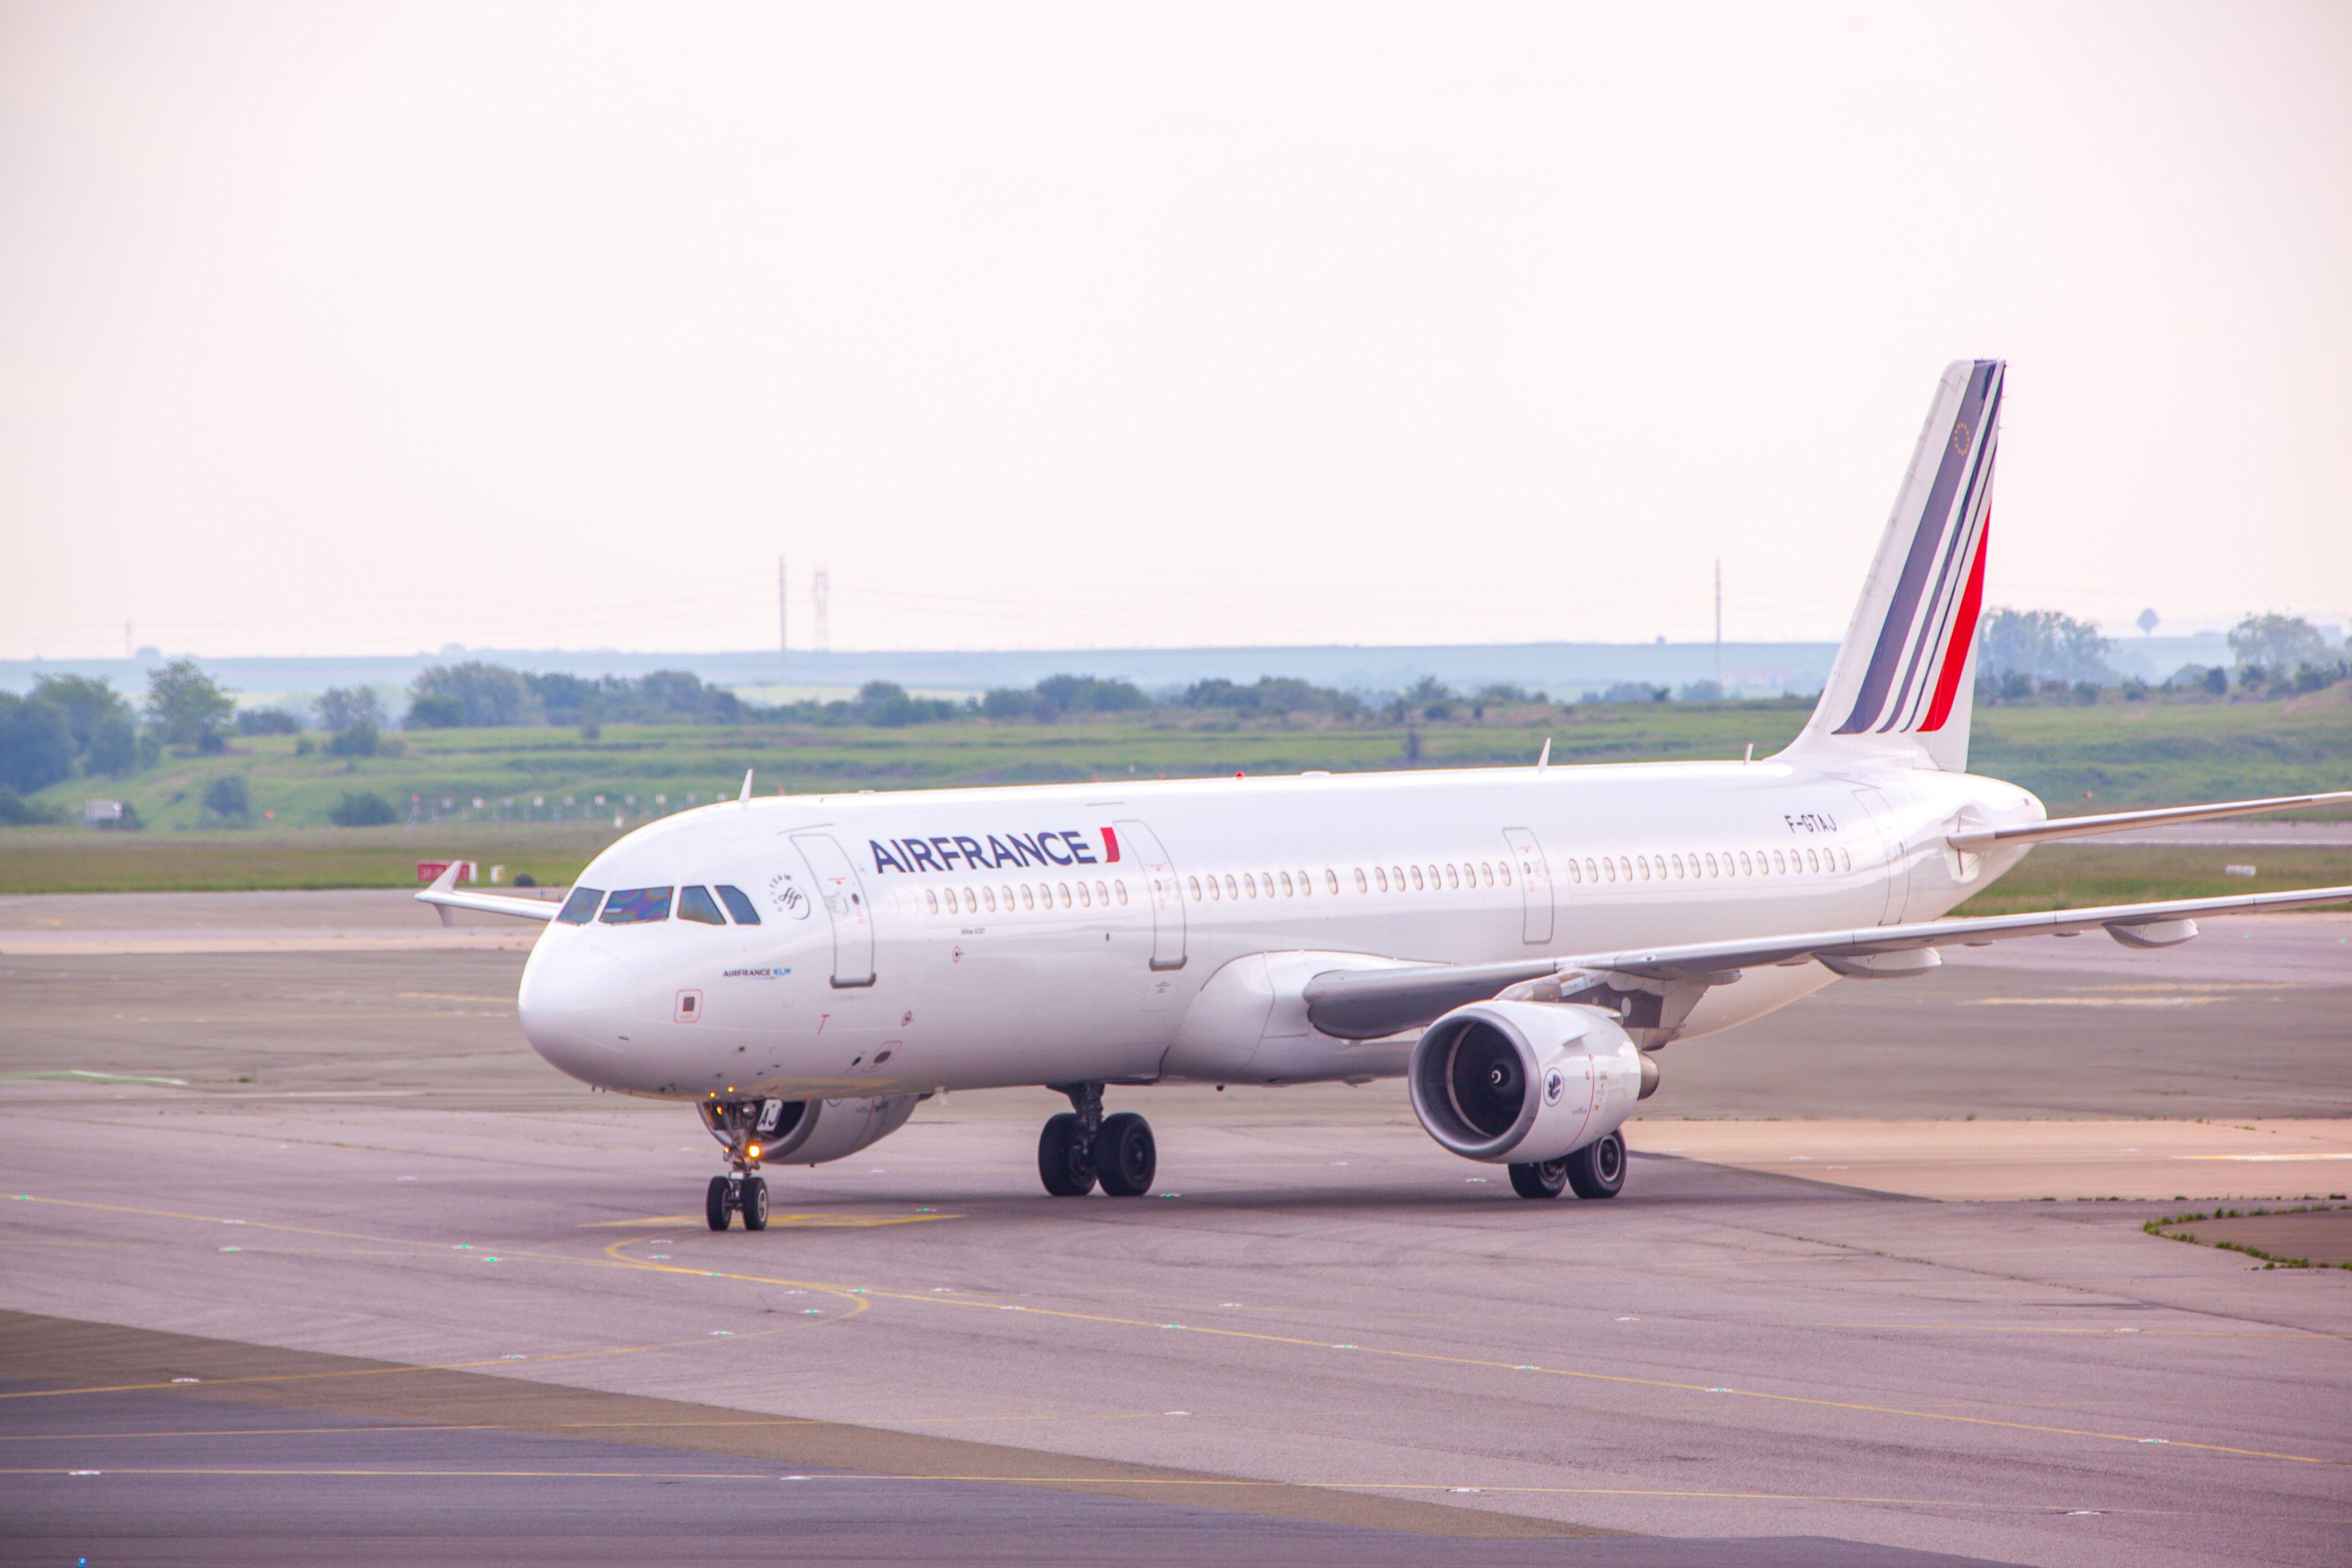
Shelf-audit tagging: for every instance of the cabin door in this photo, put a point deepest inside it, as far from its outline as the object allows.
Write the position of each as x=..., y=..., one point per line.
x=843, y=898
x=1141, y=845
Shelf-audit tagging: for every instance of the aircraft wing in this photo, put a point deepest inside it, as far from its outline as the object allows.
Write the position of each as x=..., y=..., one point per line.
x=1367, y=1003
x=444, y=896
x=2120, y=821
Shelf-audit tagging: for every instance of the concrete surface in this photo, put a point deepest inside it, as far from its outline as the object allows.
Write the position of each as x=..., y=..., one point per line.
x=1346, y=1344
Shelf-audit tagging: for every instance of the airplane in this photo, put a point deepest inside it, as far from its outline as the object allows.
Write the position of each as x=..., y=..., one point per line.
x=1521, y=944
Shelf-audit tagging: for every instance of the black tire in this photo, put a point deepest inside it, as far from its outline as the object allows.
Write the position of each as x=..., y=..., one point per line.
x=1547, y=1180
x=1598, y=1170
x=1065, y=1160
x=715, y=1206
x=1126, y=1155
x=755, y=1204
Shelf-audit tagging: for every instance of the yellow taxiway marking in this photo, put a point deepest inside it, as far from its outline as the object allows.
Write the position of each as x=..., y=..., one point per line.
x=791, y=1221
x=399, y=1429
x=1229, y=1482
x=862, y=1297
x=2262, y=1157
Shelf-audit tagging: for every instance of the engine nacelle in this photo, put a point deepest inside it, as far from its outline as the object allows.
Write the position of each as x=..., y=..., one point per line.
x=810, y=1132
x=1524, y=1082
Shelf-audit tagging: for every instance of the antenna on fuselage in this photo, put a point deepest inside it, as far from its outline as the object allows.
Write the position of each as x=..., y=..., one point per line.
x=1544, y=761
x=745, y=798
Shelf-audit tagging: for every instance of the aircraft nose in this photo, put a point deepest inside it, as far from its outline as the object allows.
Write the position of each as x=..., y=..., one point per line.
x=574, y=1007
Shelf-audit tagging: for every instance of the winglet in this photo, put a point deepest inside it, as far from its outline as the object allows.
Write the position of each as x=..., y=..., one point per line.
x=1544, y=761
x=745, y=798
x=446, y=882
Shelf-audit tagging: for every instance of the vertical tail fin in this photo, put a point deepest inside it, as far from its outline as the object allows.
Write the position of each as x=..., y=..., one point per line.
x=1902, y=685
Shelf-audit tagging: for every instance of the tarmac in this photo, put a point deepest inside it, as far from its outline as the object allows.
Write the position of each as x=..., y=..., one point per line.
x=439, y=1304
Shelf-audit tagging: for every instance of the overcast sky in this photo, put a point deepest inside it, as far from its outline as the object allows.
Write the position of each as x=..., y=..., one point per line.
x=332, y=328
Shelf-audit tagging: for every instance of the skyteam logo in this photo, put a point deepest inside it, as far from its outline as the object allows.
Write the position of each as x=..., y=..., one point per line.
x=958, y=852
x=1555, y=1085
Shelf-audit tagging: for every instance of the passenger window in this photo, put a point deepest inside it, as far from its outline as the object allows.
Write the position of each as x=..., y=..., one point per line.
x=1416, y=880
x=638, y=906
x=1383, y=876
x=1084, y=900
x=1609, y=866
x=1504, y=871
x=1028, y=898
x=1710, y=865
x=1574, y=875
x=1287, y=891
x=1590, y=874
x=1066, y=895
x=1363, y=883
x=952, y=902
x=1745, y=869
x=1122, y=890
x=1249, y=886
x=581, y=907
x=1778, y=864
x=1453, y=877
x=738, y=905
x=1845, y=858
x=931, y=899
x=1306, y=885
x=697, y=904
x=1812, y=861
x=1331, y=881
x=1195, y=882
x=1102, y=894
x=1432, y=879
x=1486, y=874
x=1676, y=861
x=1233, y=888
x=1642, y=864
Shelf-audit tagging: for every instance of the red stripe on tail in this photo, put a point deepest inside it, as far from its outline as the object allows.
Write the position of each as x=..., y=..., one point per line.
x=1964, y=631
x=1110, y=847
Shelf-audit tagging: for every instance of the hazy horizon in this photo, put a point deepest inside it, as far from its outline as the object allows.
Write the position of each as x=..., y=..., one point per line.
x=370, y=329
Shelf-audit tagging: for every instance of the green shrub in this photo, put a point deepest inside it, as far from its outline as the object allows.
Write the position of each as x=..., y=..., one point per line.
x=228, y=797
x=362, y=808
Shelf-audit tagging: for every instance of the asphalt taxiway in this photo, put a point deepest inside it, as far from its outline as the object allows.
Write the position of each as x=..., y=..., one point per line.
x=438, y=1304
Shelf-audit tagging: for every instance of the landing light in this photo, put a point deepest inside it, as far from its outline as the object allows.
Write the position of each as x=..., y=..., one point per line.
x=753, y=1151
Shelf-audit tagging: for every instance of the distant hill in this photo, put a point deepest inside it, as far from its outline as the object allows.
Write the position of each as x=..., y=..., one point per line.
x=1564, y=669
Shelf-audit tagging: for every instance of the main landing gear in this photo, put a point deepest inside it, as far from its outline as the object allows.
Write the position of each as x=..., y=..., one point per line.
x=742, y=1190
x=1595, y=1171
x=1081, y=1146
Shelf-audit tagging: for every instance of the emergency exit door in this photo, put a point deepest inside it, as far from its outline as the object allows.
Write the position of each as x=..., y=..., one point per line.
x=845, y=901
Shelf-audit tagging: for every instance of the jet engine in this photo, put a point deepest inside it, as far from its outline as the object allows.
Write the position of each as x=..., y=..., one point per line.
x=1526, y=1082
x=809, y=1132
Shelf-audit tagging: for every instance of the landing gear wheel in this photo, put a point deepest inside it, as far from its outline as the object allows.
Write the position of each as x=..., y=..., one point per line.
x=1598, y=1170
x=755, y=1204
x=1066, y=1158
x=1126, y=1155
x=1547, y=1179
x=715, y=1206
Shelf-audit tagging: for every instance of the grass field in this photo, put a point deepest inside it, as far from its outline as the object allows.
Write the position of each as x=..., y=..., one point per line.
x=539, y=787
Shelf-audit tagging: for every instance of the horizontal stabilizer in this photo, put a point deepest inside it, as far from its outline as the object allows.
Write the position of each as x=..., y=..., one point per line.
x=2123, y=821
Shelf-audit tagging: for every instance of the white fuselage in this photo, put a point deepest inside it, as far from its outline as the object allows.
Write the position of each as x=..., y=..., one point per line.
x=1137, y=932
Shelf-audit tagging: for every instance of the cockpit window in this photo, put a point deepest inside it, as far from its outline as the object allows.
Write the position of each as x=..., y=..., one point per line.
x=696, y=904
x=581, y=907
x=638, y=906
x=739, y=906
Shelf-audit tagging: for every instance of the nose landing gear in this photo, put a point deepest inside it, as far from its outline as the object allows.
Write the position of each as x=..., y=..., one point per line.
x=739, y=1129
x=1081, y=1146
x=728, y=1197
